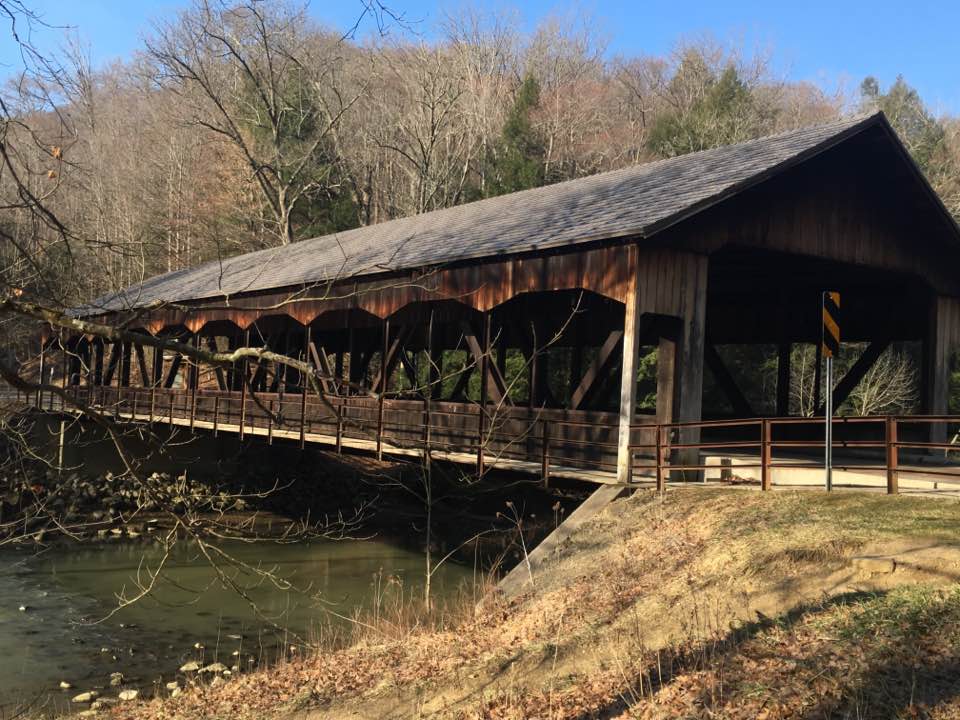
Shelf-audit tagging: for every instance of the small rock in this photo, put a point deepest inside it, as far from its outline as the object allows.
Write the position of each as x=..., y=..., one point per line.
x=104, y=650
x=127, y=695
x=102, y=703
x=64, y=685
x=116, y=679
x=87, y=713
x=171, y=686
x=175, y=693
x=213, y=668
x=22, y=608
x=198, y=646
x=189, y=667
x=86, y=697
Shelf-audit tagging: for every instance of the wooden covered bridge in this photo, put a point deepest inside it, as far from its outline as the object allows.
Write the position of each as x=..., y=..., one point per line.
x=509, y=331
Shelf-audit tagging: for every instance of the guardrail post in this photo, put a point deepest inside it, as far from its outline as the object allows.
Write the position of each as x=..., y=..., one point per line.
x=892, y=456
x=545, y=459
x=765, y=453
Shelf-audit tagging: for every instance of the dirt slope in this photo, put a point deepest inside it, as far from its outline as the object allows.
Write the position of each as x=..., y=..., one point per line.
x=700, y=603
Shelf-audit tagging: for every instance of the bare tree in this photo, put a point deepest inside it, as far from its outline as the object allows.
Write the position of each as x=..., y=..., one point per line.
x=261, y=79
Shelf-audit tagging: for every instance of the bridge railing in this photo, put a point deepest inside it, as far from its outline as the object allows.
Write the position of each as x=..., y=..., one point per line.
x=556, y=441
x=886, y=446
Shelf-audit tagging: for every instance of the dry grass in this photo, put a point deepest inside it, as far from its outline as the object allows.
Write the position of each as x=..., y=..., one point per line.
x=702, y=603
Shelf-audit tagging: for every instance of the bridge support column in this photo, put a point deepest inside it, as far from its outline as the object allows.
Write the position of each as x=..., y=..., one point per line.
x=672, y=284
x=943, y=339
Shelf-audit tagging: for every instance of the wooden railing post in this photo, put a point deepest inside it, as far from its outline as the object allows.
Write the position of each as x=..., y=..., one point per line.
x=171, y=407
x=661, y=485
x=765, y=454
x=384, y=384
x=216, y=414
x=545, y=459
x=893, y=480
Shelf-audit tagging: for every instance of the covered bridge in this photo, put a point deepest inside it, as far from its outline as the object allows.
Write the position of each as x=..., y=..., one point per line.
x=510, y=330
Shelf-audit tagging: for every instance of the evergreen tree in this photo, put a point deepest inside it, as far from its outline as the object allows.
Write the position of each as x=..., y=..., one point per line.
x=518, y=162
x=711, y=111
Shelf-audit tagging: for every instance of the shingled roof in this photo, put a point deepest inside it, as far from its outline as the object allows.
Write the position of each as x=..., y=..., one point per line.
x=634, y=202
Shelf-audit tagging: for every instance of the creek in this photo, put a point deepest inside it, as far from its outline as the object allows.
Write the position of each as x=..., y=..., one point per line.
x=54, y=608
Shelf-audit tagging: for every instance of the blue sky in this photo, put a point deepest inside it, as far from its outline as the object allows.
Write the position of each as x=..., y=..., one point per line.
x=824, y=42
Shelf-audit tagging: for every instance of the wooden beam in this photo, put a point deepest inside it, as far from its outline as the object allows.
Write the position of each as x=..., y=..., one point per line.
x=112, y=363
x=596, y=373
x=174, y=369
x=390, y=355
x=856, y=373
x=322, y=363
x=499, y=389
x=221, y=379
x=142, y=365
x=741, y=406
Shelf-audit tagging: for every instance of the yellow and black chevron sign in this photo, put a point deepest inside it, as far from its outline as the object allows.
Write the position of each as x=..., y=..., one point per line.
x=831, y=324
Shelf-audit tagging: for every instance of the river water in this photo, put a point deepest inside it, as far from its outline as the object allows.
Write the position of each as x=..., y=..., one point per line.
x=65, y=593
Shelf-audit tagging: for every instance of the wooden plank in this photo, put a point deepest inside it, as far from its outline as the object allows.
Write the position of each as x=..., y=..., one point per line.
x=596, y=373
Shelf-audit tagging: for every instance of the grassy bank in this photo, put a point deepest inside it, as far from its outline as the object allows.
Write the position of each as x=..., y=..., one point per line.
x=701, y=603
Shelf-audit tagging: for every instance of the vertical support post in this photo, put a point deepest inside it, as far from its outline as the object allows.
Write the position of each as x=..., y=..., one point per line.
x=943, y=337
x=765, y=454
x=893, y=477
x=244, y=376
x=428, y=392
x=817, y=379
x=43, y=370
x=783, y=379
x=384, y=384
x=828, y=425
x=304, y=386
x=661, y=485
x=545, y=459
x=270, y=423
x=171, y=410
x=628, y=374
x=484, y=376
x=194, y=382
x=216, y=414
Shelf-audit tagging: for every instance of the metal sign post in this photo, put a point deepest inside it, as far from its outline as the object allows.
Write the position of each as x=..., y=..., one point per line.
x=830, y=346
